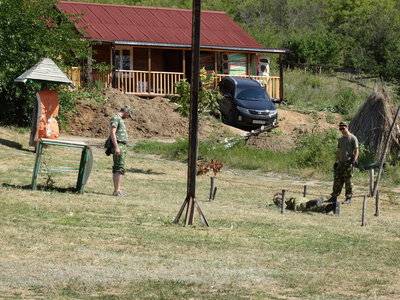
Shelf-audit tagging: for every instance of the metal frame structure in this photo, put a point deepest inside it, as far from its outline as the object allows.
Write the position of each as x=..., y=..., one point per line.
x=85, y=166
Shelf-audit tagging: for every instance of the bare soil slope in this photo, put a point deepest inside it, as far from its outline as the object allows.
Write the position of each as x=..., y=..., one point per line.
x=158, y=119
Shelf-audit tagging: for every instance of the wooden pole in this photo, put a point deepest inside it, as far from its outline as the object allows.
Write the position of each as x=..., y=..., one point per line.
x=214, y=193
x=150, y=80
x=190, y=200
x=212, y=185
x=364, y=211
x=184, y=63
x=283, y=201
x=281, y=96
x=384, y=153
x=371, y=181
x=305, y=191
x=377, y=204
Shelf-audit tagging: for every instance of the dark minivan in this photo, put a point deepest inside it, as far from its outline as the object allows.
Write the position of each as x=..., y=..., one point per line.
x=246, y=102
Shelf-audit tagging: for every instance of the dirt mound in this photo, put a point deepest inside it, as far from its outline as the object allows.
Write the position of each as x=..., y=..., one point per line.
x=151, y=118
x=272, y=142
x=291, y=124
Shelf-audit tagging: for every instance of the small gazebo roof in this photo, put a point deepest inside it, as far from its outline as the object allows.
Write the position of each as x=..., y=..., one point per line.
x=44, y=71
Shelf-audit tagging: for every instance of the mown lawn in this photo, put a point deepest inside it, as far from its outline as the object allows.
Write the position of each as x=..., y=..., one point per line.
x=63, y=245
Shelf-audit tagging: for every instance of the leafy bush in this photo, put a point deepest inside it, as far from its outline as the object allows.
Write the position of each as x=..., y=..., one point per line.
x=317, y=150
x=29, y=31
x=208, y=96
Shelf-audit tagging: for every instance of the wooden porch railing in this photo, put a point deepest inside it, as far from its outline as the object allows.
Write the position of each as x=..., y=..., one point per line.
x=145, y=83
x=272, y=85
x=74, y=73
x=104, y=77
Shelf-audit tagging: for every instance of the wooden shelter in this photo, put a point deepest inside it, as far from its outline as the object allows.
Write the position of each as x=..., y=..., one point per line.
x=149, y=48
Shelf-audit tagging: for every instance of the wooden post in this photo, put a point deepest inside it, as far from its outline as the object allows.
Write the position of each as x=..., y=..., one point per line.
x=281, y=96
x=184, y=63
x=190, y=200
x=214, y=193
x=371, y=182
x=149, y=81
x=283, y=201
x=305, y=191
x=377, y=204
x=364, y=211
x=113, y=66
x=248, y=67
x=337, y=208
x=215, y=69
x=212, y=188
x=384, y=153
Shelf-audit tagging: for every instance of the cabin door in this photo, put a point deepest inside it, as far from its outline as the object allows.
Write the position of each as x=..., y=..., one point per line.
x=124, y=58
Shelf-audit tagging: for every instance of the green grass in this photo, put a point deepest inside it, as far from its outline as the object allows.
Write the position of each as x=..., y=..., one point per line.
x=336, y=92
x=58, y=245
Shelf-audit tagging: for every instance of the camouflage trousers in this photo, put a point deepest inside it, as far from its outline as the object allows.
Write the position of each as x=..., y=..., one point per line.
x=343, y=175
x=119, y=161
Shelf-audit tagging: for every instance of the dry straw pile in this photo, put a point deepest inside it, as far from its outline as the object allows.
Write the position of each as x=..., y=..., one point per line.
x=372, y=123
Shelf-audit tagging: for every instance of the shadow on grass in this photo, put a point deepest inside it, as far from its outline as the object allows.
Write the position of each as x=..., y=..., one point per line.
x=148, y=172
x=15, y=145
x=42, y=188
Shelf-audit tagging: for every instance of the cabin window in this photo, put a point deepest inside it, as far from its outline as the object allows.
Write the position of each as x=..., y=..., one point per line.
x=123, y=59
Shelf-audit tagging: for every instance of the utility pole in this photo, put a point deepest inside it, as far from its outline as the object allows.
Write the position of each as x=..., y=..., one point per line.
x=190, y=202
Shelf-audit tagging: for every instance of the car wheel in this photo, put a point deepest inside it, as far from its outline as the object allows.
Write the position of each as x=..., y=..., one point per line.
x=231, y=118
x=224, y=118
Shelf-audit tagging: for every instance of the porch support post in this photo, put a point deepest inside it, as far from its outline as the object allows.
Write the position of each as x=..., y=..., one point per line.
x=248, y=71
x=281, y=96
x=184, y=63
x=149, y=82
x=215, y=68
x=114, y=73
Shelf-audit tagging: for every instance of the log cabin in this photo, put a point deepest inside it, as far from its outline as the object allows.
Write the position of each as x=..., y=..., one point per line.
x=148, y=49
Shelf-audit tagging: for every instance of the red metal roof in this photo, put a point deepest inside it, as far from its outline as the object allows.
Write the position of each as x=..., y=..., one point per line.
x=125, y=24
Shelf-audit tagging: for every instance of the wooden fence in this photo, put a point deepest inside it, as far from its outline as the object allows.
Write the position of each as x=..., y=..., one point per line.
x=147, y=83
x=75, y=75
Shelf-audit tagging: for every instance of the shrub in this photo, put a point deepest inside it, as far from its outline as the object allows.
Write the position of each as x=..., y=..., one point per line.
x=317, y=150
x=208, y=96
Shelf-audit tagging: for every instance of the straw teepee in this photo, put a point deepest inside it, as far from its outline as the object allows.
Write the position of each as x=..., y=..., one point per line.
x=372, y=122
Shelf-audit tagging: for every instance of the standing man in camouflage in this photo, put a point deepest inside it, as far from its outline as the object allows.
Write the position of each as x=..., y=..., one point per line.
x=119, y=138
x=346, y=159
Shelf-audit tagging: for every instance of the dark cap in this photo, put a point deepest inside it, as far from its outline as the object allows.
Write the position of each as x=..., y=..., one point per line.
x=128, y=109
x=342, y=124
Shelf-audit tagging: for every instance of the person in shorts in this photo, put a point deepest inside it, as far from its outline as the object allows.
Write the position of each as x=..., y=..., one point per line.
x=119, y=139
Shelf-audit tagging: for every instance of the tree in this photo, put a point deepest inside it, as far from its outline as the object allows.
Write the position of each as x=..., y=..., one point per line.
x=29, y=31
